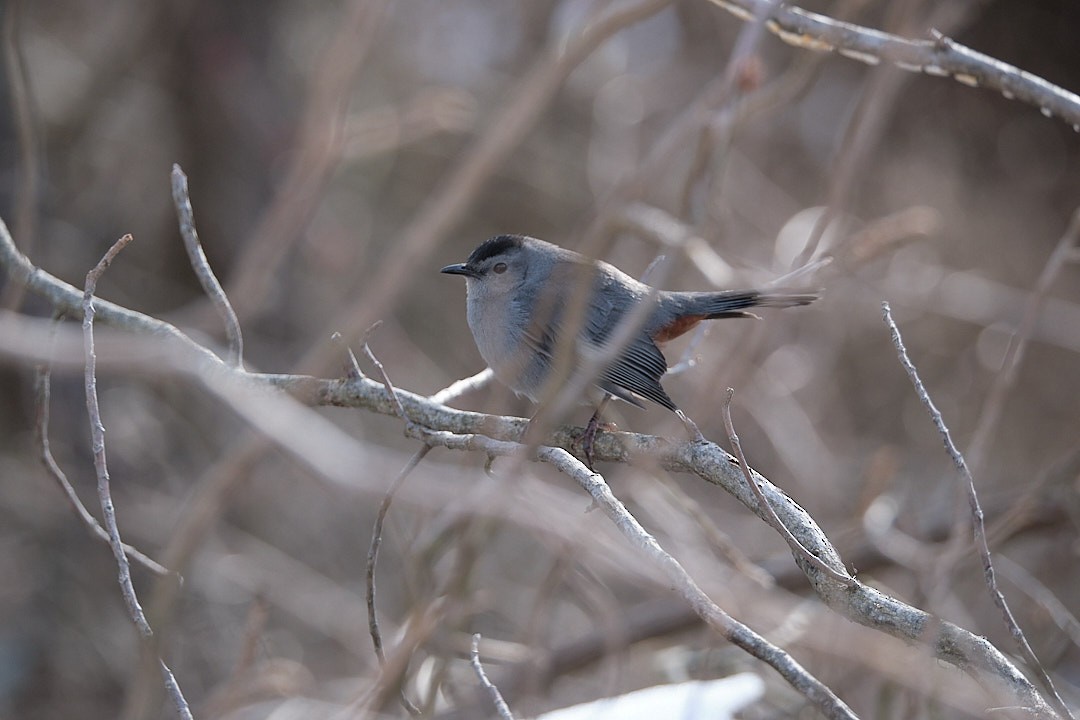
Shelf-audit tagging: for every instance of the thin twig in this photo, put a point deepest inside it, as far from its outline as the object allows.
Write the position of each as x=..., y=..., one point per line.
x=254, y=629
x=352, y=368
x=389, y=386
x=496, y=697
x=172, y=688
x=97, y=434
x=1004, y=380
x=940, y=56
x=466, y=385
x=201, y=266
x=43, y=385
x=384, y=508
x=742, y=71
x=978, y=520
x=376, y=544
x=771, y=516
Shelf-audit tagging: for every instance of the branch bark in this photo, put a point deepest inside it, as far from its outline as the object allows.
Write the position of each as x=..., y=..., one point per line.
x=939, y=56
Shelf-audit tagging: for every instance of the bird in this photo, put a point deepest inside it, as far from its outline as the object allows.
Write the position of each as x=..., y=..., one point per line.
x=519, y=298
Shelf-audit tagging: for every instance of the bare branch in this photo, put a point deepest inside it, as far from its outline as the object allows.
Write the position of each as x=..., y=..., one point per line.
x=97, y=434
x=68, y=300
x=978, y=520
x=938, y=57
x=496, y=697
x=201, y=266
x=460, y=387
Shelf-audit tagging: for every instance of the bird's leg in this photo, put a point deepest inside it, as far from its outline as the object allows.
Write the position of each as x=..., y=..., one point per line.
x=591, y=427
x=691, y=427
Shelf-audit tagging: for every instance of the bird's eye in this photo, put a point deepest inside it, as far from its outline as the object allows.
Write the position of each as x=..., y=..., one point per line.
x=499, y=268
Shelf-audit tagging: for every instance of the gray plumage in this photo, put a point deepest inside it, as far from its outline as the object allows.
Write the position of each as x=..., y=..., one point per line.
x=519, y=293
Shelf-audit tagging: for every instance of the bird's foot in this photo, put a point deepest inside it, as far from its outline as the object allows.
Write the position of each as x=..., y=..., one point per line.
x=588, y=438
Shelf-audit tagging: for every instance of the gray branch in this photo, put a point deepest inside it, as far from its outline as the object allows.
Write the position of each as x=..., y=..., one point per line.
x=939, y=57
x=186, y=217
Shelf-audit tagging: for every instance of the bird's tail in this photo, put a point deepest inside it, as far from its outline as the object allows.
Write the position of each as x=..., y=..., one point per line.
x=736, y=303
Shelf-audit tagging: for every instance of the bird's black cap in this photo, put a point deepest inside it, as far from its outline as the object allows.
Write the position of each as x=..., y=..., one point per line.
x=494, y=246
x=490, y=248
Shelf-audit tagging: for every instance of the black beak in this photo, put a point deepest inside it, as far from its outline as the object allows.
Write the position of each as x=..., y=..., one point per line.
x=460, y=269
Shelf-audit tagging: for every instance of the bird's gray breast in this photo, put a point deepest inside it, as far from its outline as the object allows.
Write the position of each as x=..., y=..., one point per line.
x=498, y=325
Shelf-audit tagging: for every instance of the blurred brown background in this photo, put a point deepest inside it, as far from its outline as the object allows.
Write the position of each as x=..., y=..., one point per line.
x=320, y=137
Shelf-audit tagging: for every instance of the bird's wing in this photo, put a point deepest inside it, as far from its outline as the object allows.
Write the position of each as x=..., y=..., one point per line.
x=639, y=366
x=636, y=371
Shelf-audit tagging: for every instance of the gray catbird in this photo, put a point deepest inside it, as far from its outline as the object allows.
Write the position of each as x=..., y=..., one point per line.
x=520, y=290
